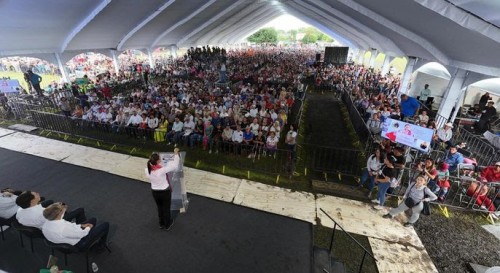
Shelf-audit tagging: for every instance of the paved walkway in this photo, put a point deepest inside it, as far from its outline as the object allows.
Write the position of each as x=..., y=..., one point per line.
x=397, y=249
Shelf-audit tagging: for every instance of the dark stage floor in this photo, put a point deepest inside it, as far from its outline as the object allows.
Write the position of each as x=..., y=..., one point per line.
x=212, y=237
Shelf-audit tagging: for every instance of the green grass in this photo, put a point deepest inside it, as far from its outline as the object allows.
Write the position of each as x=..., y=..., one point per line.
x=345, y=249
x=46, y=78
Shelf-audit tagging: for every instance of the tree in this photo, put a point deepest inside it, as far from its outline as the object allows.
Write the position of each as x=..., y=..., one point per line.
x=264, y=35
x=310, y=38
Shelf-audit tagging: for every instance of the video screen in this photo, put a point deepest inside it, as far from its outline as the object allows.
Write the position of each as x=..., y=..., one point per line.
x=407, y=134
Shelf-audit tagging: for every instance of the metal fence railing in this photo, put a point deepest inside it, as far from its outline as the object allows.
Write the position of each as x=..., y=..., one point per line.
x=480, y=149
x=255, y=158
x=343, y=238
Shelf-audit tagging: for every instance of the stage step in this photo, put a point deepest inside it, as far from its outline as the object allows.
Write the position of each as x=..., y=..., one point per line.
x=324, y=263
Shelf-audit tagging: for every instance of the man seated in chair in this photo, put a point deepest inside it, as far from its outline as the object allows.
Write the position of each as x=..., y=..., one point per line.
x=30, y=213
x=59, y=231
x=8, y=206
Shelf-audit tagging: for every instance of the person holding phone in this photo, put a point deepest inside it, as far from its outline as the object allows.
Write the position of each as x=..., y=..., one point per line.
x=161, y=186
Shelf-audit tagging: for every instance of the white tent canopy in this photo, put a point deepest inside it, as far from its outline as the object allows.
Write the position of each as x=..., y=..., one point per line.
x=463, y=34
x=477, y=89
x=433, y=74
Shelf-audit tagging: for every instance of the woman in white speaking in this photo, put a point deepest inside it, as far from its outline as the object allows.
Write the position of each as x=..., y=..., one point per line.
x=161, y=186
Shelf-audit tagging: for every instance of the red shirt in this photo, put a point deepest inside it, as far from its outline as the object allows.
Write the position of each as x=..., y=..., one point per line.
x=490, y=175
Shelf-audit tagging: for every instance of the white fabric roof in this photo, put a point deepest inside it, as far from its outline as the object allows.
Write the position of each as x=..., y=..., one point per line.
x=434, y=69
x=460, y=33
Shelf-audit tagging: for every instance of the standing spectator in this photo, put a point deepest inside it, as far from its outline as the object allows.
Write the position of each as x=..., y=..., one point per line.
x=484, y=99
x=409, y=106
x=413, y=198
x=488, y=113
x=35, y=80
x=291, y=141
x=424, y=94
x=373, y=165
x=383, y=179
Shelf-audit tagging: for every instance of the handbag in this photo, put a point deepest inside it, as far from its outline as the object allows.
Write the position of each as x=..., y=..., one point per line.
x=427, y=209
x=409, y=202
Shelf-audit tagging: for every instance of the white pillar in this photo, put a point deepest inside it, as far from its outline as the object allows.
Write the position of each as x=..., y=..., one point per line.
x=361, y=57
x=453, y=93
x=405, y=81
x=150, y=58
x=62, y=68
x=115, y=62
x=458, y=104
x=173, y=51
x=386, y=66
x=373, y=57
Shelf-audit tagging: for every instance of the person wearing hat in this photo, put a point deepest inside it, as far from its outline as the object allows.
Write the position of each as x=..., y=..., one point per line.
x=383, y=179
x=487, y=115
x=444, y=135
x=413, y=199
x=59, y=231
x=453, y=158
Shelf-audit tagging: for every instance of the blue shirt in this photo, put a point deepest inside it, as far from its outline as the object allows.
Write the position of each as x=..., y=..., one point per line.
x=409, y=107
x=453, y=160
x=248, y=136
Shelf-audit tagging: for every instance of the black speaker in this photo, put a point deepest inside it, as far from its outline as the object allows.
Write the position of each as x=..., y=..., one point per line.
x=336, y=55
x=318, y=57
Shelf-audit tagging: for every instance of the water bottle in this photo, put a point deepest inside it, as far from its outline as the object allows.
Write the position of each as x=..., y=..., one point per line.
x=94, y=267
x=54, y=269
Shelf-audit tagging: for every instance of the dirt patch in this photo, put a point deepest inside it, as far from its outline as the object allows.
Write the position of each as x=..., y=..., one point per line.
x=454, y=242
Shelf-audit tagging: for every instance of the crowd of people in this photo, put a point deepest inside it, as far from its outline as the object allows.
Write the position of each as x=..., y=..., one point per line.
x=22, y=64
x=186, y=104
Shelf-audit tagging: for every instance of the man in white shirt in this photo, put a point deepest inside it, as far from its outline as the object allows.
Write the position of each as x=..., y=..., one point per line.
x=444, y=135
x=237, y=138
x=176, y=132
x=188, y=128
x=274, y=116
x=253, y=111
x=133, y=123
x=8, y=206
x=424, y=94
x=59, y=231
x=30, y=212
